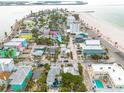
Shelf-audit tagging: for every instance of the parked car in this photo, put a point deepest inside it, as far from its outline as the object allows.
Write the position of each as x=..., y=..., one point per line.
x=40, y=65
x=65, y=60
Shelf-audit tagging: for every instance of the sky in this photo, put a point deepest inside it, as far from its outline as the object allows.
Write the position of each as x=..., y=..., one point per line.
x=89, y=1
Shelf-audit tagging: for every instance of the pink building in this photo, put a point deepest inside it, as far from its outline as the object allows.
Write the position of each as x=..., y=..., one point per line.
x=17, y=45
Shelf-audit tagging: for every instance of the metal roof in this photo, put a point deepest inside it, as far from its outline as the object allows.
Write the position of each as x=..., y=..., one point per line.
x=19, y=76
x=18, y=40
x=5, y=60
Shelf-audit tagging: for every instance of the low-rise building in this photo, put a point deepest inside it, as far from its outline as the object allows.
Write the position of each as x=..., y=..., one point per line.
x=108, y=77
x=26, y=34
x=71, y=70
x=81, y=37
x=38, y=50
x=92, y=42
x=23, y=41
x=6, y=64
x=93, y=50
x=16, y=45
x=52, y=51
x=20, y=78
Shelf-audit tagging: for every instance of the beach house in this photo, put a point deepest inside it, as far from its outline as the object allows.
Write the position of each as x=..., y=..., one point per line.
x=71, y=70
x=107, y=77
x=38, y=50
x=20, y=78
x=79, y=38
x=17, y=45
x=26, y=34
x=6, y=64
x=23, y=41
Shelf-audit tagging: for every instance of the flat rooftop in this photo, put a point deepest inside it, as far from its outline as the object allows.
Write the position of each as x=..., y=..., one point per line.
x=92, y=42
x=18, y=40
x=115, y=72
x=19, y=76
x=12, y=43
x=71, y=70
x=92, y=48
x=5, y=60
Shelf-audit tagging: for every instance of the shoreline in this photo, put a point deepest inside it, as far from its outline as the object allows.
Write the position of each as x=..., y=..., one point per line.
x=107, y=32
x=14, y=31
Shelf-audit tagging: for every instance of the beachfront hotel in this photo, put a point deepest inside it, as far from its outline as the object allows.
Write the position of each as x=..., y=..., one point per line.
x=81, y=37
x=70, y=19
x=75, y=27
x=107, y=77
x=93, y=47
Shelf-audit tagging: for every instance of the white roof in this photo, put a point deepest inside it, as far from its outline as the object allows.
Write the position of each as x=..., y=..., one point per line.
x=5, y=60
x=39, y=46
x=71, y=70
x=115, y=72
x=63, y=45
x=71, y=18
x=18, y=40
x=12, y=44
x=92, y=42
x=38, y=50
x=92, y=48
x=19, y=76
x=68, y=30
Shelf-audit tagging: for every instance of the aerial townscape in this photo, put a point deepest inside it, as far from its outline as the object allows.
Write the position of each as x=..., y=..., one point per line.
x=55, y=50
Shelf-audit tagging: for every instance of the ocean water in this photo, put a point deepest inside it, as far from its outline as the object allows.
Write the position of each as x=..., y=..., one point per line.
x=111, y=14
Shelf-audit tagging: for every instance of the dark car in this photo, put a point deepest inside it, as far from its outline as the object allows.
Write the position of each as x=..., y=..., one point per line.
x=65, y=60
x=40, y=65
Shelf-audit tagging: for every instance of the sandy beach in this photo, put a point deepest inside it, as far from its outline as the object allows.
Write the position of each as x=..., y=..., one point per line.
x=107, y=31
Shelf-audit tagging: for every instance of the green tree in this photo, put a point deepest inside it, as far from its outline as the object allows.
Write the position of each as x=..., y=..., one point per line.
x=71, y=83
x=96, y=57
x=80, y=68
x=47, y=66
x=6, y=34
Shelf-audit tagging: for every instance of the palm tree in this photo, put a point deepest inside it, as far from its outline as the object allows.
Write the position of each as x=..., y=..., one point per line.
x=72, y=86
x=62, y=66
x=5, y=34
x=116, y=44
x=106, y=49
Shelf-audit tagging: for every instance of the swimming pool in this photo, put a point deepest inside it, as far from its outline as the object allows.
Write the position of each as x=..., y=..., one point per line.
x=99, y=84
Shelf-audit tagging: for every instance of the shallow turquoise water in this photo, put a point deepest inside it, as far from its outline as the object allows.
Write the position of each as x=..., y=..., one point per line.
x=99, y=84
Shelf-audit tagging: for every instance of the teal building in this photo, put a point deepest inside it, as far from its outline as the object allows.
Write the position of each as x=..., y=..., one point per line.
x=20, y=78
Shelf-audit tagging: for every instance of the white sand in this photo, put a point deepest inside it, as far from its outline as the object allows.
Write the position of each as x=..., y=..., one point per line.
x=106, y=29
